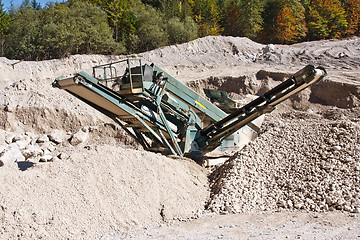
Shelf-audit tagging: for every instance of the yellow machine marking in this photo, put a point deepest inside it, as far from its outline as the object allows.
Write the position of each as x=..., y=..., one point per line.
x=200, y=104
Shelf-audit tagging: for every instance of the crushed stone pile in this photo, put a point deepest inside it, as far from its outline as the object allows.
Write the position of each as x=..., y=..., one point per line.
x=299, y=162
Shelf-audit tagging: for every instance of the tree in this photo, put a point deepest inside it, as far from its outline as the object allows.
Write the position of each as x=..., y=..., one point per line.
x=35, y=5
x=75, y=28
x=4, y=23
x=285, y=26
x=120, y=16
x=207, y=16
x=153, y=3
x=284, y=21
x=149, y=29
x=290, y=23
x=251, y=19
x=232, y=22
x=57, y=31
x=23, y=33
x=352, y=9
x=181, y=31
x=325, y=19
x=174, y=8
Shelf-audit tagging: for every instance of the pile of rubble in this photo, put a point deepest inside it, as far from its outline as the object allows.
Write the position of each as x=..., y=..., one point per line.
x=28, y=148
x=307, y=163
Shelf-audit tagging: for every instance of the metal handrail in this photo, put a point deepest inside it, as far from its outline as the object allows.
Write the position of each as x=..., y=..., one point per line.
x=115, y=76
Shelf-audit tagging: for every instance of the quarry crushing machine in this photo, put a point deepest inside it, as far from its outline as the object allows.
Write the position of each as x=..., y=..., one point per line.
x=164, y=115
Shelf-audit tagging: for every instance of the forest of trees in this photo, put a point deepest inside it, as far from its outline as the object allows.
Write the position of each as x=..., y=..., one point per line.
x=34, y=32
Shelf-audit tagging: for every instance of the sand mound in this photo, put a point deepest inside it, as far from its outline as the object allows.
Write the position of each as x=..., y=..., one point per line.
x=96, y=190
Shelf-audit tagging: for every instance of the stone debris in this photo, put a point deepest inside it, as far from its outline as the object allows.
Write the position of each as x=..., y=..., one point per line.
x=45, y=158
x=27, y=147
x=9, y=138
x=8, y=109
x=11, y=154
x=79, y=137
x=307, y=164
x=31, y=147
x=76, y=197
x=32, y=151
x=2, y=148
x=22, y=140
x=48, y=147
x=43, y=138
x=57, y=136
x=269, y=48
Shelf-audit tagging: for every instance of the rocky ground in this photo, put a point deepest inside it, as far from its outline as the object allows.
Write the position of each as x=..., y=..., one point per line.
x=68, y=172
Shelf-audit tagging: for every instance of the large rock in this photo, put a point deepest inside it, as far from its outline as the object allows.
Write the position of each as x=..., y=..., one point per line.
x=48, y=147
x=11, y=154
x=269, y=48
x=32, y=151
x=45, y=158
x=42, y=138
x=2, y=136
x=22, y=141
x=9, y=109
x=9, y=138
x=79, y=137
x=57, y=136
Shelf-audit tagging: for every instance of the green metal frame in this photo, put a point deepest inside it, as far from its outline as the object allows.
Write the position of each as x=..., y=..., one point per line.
x=114, y=77
x=170, y=101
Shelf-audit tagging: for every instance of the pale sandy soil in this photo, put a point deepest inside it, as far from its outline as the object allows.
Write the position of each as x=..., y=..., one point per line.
x=259, y=225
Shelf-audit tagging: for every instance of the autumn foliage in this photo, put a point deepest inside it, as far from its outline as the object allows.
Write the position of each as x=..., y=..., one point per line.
x=326, y=19
x=352, y=8
x=32, y=31
x=285, y=30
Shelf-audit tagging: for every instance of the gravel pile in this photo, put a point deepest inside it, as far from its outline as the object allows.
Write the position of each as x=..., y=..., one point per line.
x=27, y=148
x=298, y=162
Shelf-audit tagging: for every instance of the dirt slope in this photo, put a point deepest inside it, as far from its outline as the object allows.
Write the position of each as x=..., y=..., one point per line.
x=97, y=190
